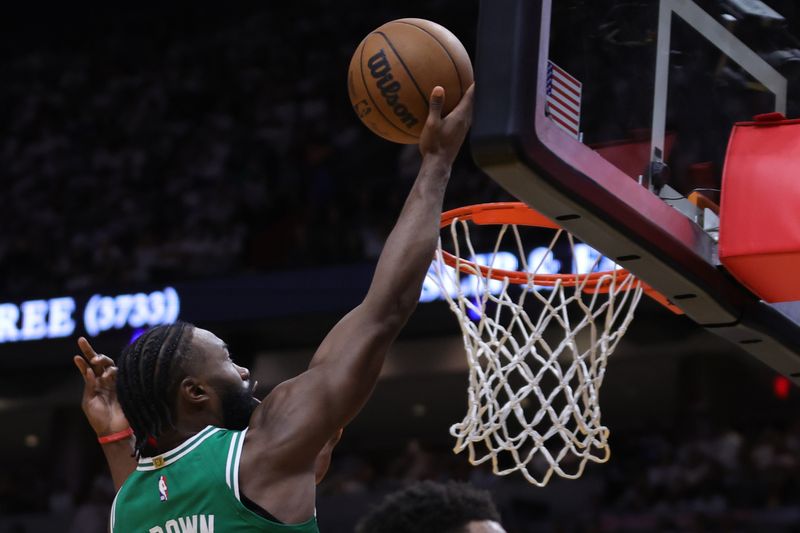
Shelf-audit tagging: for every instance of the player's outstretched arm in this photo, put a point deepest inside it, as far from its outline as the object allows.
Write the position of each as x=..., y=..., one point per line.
x=102, y=410
x=350, y=358
x=300, y=415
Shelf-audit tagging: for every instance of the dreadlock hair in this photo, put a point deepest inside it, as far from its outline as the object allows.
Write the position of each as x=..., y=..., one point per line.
x=150, y=369
x=429, y=507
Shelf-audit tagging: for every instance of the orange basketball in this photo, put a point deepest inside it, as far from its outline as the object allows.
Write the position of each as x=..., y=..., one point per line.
x=394, y=70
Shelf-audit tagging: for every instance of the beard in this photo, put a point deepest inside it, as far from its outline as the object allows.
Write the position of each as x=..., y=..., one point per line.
x=238, y=405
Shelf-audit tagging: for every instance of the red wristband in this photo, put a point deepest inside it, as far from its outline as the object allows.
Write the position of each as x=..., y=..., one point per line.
x=114, y=437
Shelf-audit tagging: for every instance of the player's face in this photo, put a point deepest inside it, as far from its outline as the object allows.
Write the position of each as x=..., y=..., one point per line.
x=237, y=407
x=484, y=526
x=230, y=382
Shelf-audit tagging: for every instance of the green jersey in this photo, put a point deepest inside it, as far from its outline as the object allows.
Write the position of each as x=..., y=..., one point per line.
x=193, y=488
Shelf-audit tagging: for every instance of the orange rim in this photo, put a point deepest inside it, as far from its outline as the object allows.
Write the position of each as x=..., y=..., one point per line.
x=518, y=213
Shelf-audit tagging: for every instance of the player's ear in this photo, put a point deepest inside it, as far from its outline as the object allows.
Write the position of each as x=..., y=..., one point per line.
x=193, y=390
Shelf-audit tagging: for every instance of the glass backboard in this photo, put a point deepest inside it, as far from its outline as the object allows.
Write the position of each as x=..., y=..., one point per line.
x=606, y=116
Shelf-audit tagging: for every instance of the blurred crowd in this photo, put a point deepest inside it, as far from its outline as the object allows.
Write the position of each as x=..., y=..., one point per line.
x=703, y=481
x=722, y=480
x=716, y=481
x=160, y=145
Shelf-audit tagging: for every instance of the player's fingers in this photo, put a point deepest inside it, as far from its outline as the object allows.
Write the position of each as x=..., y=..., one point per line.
x=86, y=348
x=102, y=361
x=91, y=381
x=436, y=104
x=109, y=374
x=468, y=100
x=464, y=107
x=82, y=365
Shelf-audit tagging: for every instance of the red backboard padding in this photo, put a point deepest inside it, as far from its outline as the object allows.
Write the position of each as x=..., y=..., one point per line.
x=759, y=236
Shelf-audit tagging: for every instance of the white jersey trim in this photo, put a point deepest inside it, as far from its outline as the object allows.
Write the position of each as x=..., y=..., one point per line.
x=149, y=463
x=237, y=458
x=231, y=450
x=112, y=516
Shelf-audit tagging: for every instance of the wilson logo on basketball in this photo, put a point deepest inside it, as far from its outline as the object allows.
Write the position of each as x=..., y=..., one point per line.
x=381, y=70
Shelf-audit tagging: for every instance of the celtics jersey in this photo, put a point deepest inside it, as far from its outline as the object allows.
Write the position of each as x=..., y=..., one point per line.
x=193, y=488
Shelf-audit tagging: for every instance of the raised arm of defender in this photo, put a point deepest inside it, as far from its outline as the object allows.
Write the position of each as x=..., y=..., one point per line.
x=295, y=421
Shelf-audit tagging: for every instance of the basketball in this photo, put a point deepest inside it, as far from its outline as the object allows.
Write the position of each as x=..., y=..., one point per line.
x=395, y=68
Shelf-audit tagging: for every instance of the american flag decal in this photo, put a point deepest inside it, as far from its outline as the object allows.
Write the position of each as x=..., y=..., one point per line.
x=564, y=99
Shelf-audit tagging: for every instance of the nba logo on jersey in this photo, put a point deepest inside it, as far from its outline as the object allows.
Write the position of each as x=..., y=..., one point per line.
x=162, y=488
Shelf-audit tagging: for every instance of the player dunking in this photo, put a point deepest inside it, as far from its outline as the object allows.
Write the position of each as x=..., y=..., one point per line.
x=210, y=456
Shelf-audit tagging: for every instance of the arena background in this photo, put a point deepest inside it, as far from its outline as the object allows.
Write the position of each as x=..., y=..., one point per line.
x=209, y=156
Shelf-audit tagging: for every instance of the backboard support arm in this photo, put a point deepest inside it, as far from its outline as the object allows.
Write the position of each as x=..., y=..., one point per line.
x=720, y=37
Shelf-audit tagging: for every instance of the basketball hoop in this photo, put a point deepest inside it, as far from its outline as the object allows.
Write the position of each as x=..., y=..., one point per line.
x=533, y=392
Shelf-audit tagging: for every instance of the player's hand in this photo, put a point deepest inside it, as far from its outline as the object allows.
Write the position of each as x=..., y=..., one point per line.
x=99, y=403
x=443, y=136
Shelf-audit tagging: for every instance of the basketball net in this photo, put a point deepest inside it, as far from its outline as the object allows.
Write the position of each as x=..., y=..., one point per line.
x=537, y=346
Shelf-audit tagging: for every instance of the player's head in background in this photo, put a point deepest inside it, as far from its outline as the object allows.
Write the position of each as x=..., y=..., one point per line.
x=429, y=507
x=181, y=375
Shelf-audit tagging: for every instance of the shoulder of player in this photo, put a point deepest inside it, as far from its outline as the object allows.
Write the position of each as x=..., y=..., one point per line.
x=273, y=414
x=280, y=426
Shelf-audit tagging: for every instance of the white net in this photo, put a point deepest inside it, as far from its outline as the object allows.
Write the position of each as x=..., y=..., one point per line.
x=537, y=356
